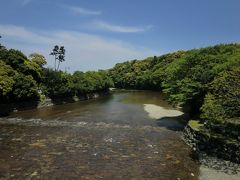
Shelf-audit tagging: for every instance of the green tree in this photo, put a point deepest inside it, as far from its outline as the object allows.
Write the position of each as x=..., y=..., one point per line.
x=24, y=88
x=6, y=80
x=38, y=59
x=15, y=59
x=0, y=43
x=57, y=84
x=55, y=54
x=59, y=55
x=223, y=100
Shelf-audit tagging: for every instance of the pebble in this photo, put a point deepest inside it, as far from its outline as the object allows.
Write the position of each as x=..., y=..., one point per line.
x=109, y=140
x=34, y=173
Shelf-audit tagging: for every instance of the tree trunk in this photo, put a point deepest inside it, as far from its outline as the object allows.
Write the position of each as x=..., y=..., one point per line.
x=58, y=65
x=55, y=64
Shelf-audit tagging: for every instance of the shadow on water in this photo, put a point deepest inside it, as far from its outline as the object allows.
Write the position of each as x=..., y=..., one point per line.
x=82, y=97
x=62, y=100
x=7, y=109
x=173, y=123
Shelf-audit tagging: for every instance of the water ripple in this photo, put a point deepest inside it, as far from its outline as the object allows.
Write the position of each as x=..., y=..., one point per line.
x=80, y=124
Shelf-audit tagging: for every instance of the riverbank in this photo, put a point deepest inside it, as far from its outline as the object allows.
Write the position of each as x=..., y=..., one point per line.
x=211, y=168
x=7, y=108
x=211, y=151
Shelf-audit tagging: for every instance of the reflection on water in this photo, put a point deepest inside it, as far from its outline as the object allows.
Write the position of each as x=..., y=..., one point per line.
x=108, y=138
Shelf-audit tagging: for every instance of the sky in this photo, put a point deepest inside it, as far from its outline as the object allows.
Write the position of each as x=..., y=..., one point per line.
x=97, y=34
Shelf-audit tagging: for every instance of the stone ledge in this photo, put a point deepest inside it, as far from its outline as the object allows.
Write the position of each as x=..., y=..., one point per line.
x=211, y=143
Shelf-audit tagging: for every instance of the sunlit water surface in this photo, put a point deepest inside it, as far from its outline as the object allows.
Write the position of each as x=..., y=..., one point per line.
x=108, y=138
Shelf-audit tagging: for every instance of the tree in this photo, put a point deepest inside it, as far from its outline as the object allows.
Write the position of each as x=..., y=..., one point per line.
x=38, y=59
x=25, y=88
x=34, y=66
x=59, y=55
x=1, y=47
x=0, y=43
x=6, y=80
x=55, y=54
x=58, y=84
x=15, y=59
x=223, y=100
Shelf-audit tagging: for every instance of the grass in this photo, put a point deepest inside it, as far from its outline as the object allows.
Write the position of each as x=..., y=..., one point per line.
x=194, y=124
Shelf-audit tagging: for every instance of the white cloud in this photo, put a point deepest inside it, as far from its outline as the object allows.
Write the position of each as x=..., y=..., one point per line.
x=21, y=33
x=117, y=28
x=83, y=11
x=83, y=51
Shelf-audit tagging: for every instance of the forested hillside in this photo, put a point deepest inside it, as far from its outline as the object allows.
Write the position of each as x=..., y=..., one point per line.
x=205, y=80
x=25, y=78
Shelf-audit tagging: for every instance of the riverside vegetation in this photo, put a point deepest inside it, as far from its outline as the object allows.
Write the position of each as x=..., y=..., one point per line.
x=204, y=82
x=25, y=79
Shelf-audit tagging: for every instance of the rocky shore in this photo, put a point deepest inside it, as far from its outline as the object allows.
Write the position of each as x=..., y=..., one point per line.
x=211, y=167
x=218, y=159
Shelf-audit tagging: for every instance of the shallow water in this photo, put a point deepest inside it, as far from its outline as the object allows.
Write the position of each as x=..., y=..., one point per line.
x=108, y=138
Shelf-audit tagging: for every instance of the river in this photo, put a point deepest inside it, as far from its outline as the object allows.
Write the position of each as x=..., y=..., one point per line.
x=112, y=137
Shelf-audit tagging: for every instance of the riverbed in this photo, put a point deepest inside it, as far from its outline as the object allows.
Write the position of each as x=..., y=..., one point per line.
x=125, y=135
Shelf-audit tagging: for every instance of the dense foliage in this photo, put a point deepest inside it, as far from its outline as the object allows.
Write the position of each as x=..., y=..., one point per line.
x=91, y=81
x=204, y=79
x=223, y=100
x=18, y=76
x=26, y=79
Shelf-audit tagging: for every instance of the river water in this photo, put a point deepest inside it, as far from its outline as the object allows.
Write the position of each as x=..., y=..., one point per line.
x=112, y=137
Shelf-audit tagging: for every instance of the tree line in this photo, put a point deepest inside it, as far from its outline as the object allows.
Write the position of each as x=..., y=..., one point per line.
x=205, y=81
x=25, y=78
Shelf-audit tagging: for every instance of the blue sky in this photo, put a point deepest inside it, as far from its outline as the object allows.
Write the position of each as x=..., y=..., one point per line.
x=99, y=33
